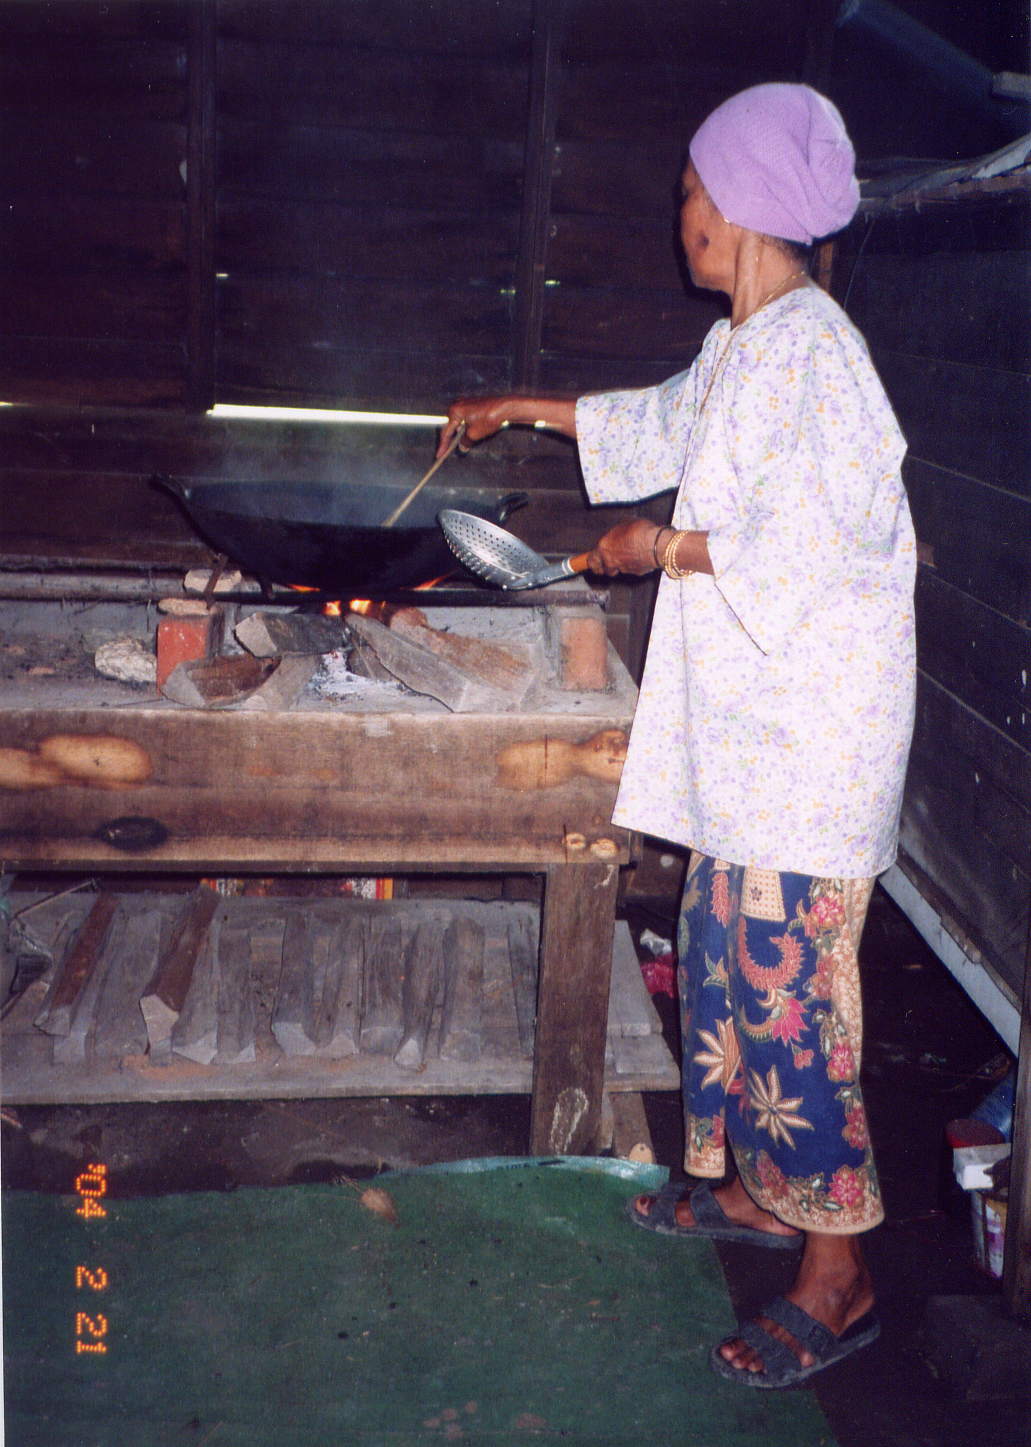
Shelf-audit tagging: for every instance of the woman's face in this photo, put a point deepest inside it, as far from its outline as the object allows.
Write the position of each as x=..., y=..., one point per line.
x=709, y=242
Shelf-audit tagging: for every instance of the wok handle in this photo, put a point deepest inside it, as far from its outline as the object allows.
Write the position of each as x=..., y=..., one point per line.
x=578, y=564
x=508, y=504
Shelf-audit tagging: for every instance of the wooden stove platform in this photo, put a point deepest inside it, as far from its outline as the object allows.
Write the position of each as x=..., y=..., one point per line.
x=292, y=998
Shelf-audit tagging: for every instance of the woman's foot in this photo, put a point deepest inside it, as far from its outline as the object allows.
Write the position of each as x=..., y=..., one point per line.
x=735, y=1203
x=833, y=1288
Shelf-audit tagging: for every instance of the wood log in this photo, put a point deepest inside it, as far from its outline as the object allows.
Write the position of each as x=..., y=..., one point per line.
x=275, y=635
x=339, y=1010
x=293, y=1019
x=77, y=968
x=424, y=672
x=132, y=948
x=216, y=682
x=522, y=949
x=424, y=971
x=382, y=1011
x=236, y=1013
x=631, y=1012
x=164, y=997
x=461, y=1026
x=284, y=686
x=195, y=1033
x=504, y=667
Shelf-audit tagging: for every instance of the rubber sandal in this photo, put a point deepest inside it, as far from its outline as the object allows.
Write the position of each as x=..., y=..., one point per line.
x=781, y=1367
x=711, y=1220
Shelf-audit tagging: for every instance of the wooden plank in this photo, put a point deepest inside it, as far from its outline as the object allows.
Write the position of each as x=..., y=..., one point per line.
x=633, y=100
x=618, y=179
x=360, y=315
x=132, y=949
x=84, y=372
x=523, y=950
x=990, y=903
x=452, y=27
x=42, y=154
x=319, y=82
x=385, y=378
x=631, y=1133
x=764, y=40
x=236, y=1006
x=195, y=1033
x=461, y=1026
x=423, y=978
x=338, y=1016
x=953, y=415
x=620, y=323
x=133, y=306
x=979, y=765
x=382, y=993
x=294, y=1013
x=79, y=966
x=92, y=233
x=569, y=1049
x=955, y=307
x=395, y=244
x=139, y=78
x=982, y=657
x=978, y=535
x=129, y=18
x=621, y=251
x=163, y=998
x=631, y=1012
x=368, y=168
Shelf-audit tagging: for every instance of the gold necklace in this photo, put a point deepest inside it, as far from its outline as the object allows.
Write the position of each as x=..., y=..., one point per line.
x=718, y=368
x=771, y=294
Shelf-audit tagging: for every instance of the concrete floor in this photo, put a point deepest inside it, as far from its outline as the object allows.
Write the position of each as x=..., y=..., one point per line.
x=928, y=1058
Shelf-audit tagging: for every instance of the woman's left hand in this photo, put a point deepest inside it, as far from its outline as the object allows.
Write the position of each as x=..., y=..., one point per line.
x=626, y=548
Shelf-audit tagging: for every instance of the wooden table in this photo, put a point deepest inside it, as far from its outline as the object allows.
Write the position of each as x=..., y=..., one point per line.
x=376, y=788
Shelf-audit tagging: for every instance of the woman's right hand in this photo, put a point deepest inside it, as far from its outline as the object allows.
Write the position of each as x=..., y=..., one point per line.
x=476, y=418
x=481, y=417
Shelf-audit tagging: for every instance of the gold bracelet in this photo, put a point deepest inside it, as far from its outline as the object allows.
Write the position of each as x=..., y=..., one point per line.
x=669, y=562
x=655, y=545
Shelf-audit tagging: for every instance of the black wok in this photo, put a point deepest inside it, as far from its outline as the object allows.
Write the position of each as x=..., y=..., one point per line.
x=330, y=536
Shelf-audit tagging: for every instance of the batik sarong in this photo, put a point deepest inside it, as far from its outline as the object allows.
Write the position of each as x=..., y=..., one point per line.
x=771, y=1027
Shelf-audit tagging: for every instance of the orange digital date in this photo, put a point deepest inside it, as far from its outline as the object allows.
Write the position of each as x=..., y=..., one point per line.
x=90, y=1329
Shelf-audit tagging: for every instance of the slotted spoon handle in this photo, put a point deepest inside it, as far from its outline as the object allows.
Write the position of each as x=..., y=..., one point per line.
x=554, y=573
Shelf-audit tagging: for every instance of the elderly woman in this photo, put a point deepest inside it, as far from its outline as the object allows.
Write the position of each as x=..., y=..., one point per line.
x=776, y=706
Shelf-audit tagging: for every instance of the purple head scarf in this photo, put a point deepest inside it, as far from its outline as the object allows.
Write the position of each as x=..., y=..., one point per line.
x=777, y=159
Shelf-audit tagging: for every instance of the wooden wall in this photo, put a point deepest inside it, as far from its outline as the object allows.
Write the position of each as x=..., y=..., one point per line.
x=371, y=203
x=940, y=291
x=377, y=203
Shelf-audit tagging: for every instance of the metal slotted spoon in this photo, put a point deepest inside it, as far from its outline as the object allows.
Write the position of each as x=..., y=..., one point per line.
x=500, y=558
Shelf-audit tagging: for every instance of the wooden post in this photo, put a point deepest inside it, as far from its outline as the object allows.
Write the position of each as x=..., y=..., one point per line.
x=200, y=205
x=528, y=320
x=572, y=1008
x=1016, y=1275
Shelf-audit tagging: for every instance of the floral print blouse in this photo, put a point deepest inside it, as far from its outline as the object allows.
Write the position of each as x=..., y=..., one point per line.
x=776, y=705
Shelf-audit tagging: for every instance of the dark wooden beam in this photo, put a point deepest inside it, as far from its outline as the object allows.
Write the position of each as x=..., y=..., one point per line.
x=200, y=206
x=528, y=318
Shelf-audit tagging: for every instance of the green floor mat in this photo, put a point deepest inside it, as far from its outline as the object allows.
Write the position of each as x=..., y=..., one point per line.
x=511, y=1303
